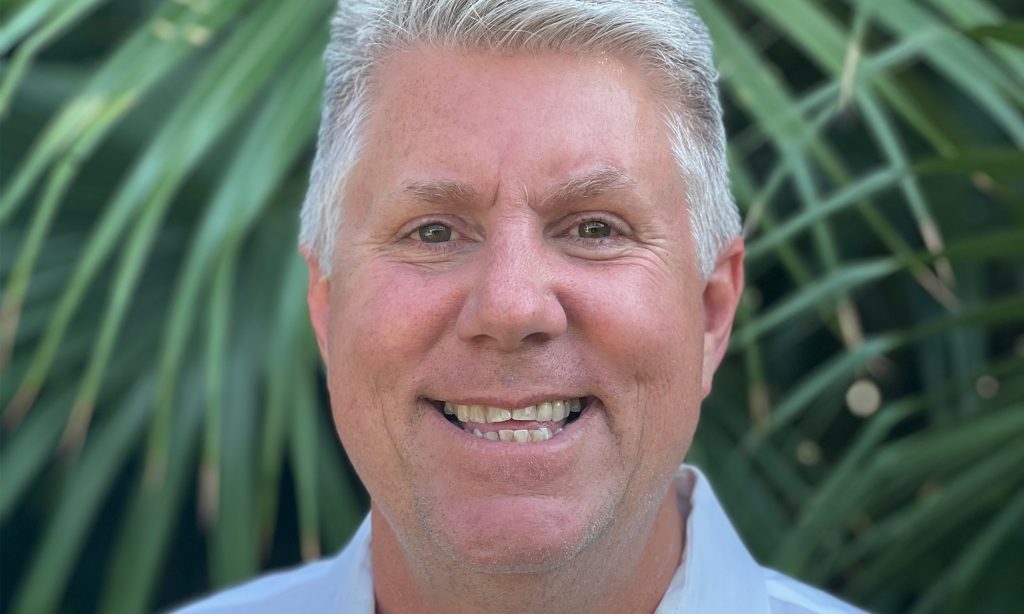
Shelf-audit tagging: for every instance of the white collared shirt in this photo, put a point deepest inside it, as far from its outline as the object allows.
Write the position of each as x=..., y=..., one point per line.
x=717, y=575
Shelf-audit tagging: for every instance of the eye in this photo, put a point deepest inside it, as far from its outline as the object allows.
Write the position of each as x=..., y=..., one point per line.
x=434, y=233
x=594, y=229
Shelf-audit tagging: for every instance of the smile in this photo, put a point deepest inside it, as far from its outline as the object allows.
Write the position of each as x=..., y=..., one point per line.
x=531, y=424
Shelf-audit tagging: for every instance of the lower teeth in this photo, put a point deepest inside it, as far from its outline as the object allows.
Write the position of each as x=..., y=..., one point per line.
x=518, y=435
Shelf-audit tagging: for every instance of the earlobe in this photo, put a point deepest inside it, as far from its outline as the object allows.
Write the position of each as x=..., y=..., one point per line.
x=721, y=296
x=318, y=299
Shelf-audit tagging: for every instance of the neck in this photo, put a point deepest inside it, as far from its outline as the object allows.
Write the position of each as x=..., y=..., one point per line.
x=628, y=570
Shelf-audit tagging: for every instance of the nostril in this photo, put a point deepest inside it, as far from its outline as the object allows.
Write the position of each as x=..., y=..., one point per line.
x=509, y=329
x=537, y=339
x=512, y=302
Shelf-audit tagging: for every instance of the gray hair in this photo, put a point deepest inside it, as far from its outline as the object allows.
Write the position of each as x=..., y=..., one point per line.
x=668, y=39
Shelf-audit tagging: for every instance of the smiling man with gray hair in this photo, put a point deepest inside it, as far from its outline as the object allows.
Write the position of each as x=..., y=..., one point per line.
x=524, y=264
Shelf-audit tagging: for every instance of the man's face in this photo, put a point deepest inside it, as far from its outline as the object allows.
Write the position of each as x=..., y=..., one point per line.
x=515, y=234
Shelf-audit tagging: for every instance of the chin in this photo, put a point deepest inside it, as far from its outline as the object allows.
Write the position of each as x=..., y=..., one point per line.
x=521, y=535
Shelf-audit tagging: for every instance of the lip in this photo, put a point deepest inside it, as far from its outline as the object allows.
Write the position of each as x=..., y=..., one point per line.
x=513, y=402
x=525, y=463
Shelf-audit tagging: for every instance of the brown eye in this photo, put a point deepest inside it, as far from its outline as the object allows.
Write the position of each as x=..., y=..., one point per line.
x=434, y=233
x=594, y=229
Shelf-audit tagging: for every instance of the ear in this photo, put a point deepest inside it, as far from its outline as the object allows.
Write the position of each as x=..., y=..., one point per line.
x=721, y=296
x=318, y=298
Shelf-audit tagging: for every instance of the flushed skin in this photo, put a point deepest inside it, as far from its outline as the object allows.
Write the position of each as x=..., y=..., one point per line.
x=517, y=308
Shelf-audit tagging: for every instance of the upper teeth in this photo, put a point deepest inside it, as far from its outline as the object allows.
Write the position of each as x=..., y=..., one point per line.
x=543, y=412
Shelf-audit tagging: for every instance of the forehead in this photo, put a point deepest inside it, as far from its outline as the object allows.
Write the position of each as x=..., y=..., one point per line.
x=481, y=118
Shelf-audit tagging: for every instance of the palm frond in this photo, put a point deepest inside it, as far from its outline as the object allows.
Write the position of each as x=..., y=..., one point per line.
x=165, y=429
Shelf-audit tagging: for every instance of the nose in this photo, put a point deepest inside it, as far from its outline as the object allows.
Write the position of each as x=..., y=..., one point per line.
x=513, y=302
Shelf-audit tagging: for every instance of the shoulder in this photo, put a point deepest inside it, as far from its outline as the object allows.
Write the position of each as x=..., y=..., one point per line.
x=303, y=585
x=342, y=583
x=789, y=596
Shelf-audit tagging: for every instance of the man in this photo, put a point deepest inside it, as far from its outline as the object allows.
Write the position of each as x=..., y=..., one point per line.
x=524, y=263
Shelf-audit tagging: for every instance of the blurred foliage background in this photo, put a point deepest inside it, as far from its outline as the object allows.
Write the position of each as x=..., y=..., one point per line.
x=165, y=430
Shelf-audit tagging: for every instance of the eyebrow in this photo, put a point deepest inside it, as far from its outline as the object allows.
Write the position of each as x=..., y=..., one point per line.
x=589, y=185
x=441, y=192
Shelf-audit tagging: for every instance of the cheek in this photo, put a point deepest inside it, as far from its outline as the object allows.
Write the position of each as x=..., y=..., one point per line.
x=649, y=319
x=647, y=326
x=386, y=323
x=390, y=316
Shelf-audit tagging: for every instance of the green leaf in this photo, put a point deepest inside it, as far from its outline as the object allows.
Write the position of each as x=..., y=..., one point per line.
x=146, y=530
x=1000, y=164
x=149, y=202
x=1012, y=33
x=84, y=492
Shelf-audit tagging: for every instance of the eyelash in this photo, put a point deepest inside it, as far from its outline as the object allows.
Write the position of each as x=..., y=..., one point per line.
x=413, y=236
x=571, y=233
x=616, y=230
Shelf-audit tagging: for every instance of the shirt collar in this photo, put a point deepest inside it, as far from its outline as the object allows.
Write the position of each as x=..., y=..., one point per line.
x=717, y=573
x=353, y=572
